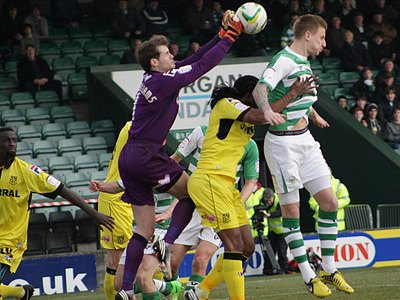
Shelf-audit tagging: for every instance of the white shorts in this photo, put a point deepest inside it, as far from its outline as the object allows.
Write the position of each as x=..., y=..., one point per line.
x=294, y=160
x=158, y=235
x=194, y=232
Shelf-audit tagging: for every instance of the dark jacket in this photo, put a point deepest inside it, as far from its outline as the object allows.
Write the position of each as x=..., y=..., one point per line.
x=121, y=23
x=27, y=71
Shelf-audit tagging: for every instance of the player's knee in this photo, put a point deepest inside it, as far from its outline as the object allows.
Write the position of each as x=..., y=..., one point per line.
x=249, y=248
x=200, y=263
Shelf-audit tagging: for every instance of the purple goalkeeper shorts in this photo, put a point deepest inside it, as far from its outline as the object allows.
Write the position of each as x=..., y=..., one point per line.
x=143, y=166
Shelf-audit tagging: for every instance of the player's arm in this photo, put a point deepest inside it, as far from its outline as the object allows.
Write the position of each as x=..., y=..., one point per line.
x=317, y=119
x=188, y=144
x=167, y=213
x=248, y=188
x=99, y=218
x=112, y=187
x=251, y=168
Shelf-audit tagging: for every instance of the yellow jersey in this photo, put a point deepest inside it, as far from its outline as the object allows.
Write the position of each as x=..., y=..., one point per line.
x=225, y=138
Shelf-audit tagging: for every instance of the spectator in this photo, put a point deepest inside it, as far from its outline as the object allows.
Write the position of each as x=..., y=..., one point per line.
x=392, y=130
x=66, y=13
x=365, y=85
x=346, y=13
x=353, y=54
x=334, y=37
x=389, y=11
x=293, y=8
x=380, y=24
x=361, y=101
x=361, y=32
x=307, y=6
x=342, y=194
x=11, y=28
x=156, y=18
x=218, y=13
x=372, y=119
x=343, y=102
x=38, y=23
x=386, y=107
x=175, y=50
x=129, y=56
x=199, y=20
x=386, y=66
x=34, y=74
x=358, y=114
x=193, y=47
x=332, y=5
x=30, y=38
x=287, y=36
x=387, y=82
x=321, y=10
x=251, y=45
x=378, y=50
x=126, y=23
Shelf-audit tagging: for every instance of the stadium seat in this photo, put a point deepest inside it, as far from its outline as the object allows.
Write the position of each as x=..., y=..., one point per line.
x=107, y=60
x=99, y=175
x=84, y=192
x=86, y=163
x=44, y=149
x=358, y=217
x=49, y=51
x=11, y=67
x=315, y=65
x=94, y=145
x=80, y=34
x=83, y=63
x=77, y=86
x=37, y=116
x=8, y=85
x=60, y=163
x=71, y=49
x=58, y=35
x=11, y=117
x=5, y=102
x=117, y=46
x=54, y=132
x=41, y=163
x=63, y=66
x=331, y=63
x=87, y=229
x=79, y=129
x=58, y=242
x=388, y=215
x=106, y=129
x=35, y=245
x=347, y=79
x=63, y=222
x=95, y=48
x=328, y=79
x=76, y=179
x=104, y=160
x=62, y=114
x=344, y=91
x=38, y=225
x=61, y=174
x=47, y=99
x=70, y=147
x=29, y=133
x=22, y=100
x=24, y=150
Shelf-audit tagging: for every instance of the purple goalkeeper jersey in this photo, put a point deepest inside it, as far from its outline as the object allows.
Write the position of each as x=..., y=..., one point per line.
x=156, y=104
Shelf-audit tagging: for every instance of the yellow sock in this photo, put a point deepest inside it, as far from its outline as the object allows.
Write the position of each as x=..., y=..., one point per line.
x=11, y=291
x=233, y=275
x=214, y=277
x=109, y=290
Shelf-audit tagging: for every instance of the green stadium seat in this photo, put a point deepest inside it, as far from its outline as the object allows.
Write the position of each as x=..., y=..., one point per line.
x=49, y=51
x=37, y=116
x=80, y=34
x=8, y=85
x=11, y=67
x=58, y=163
x=328, y=90
x=117, y=46
x=86, y=164
x=71, y=49
x=63, y=66
x=83, y=63
x=106, y=129
x=29, y=133
x=107, y=60
x=315, y=65
x=76, y=179
x=79, y=129
x=347, y=79
x=99, y=175
x=54, y=132
x=101, y=31
x=95, y=48
x=22, y=100
x=41, y=163
x=70, y=147
x=12, y=118
x=46, y=99
x=328, y=79
x=44, y=149
x=331, y=63
x=58, y=35
x=94, y=145
x=24, y=150
x=104, y=160
x=61, y=174
x=343, y=91
x=77, y=86
x=62, y=114
x=5, y=102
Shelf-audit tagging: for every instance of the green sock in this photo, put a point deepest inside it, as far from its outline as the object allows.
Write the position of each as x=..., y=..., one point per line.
x=151, y=296
x=193, y=281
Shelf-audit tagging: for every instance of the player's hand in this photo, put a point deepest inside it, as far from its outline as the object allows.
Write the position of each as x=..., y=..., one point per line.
x=225, y=19
x=161, y=217
x=273, y=118
x=304, y=85
x=235, y=28
x=320, y=122
x=94, y=186
x=103, y=220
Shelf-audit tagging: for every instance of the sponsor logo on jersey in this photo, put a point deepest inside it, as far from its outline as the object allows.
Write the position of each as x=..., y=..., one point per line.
x=35, y=170
x=185, y=69
x=52, y=180
x=13, y=180
x=268, y=73
x=9, y=193
x=211, y=219
x=164, y=180
x=240, y=106
x=247, y=129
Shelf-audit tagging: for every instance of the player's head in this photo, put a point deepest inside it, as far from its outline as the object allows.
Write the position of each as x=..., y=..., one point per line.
x=8, y=144
x=310, y=29
x=154, y=55
x=222, y=91
x=244, y=86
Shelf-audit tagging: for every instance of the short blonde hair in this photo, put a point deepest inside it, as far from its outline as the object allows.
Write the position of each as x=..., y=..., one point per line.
x=308, y=23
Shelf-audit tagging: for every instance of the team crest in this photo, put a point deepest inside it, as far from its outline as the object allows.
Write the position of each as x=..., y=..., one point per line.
x=226, y=217
x=121, y=239
x=13, y=180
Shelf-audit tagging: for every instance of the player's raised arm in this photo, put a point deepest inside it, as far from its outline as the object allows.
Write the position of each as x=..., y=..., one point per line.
x=260, y=94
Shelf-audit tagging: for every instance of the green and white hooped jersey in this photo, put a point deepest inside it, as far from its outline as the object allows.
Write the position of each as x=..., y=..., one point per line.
x=279, y=76
x=248, y=165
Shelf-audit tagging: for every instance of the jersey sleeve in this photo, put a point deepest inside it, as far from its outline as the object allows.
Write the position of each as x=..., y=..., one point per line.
x=231, y=108
x=40, y=182
x=250, y=161
x=276, y=71
x=190, y=143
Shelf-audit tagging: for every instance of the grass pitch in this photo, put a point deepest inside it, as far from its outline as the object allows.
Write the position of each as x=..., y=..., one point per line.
x=369, y=284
